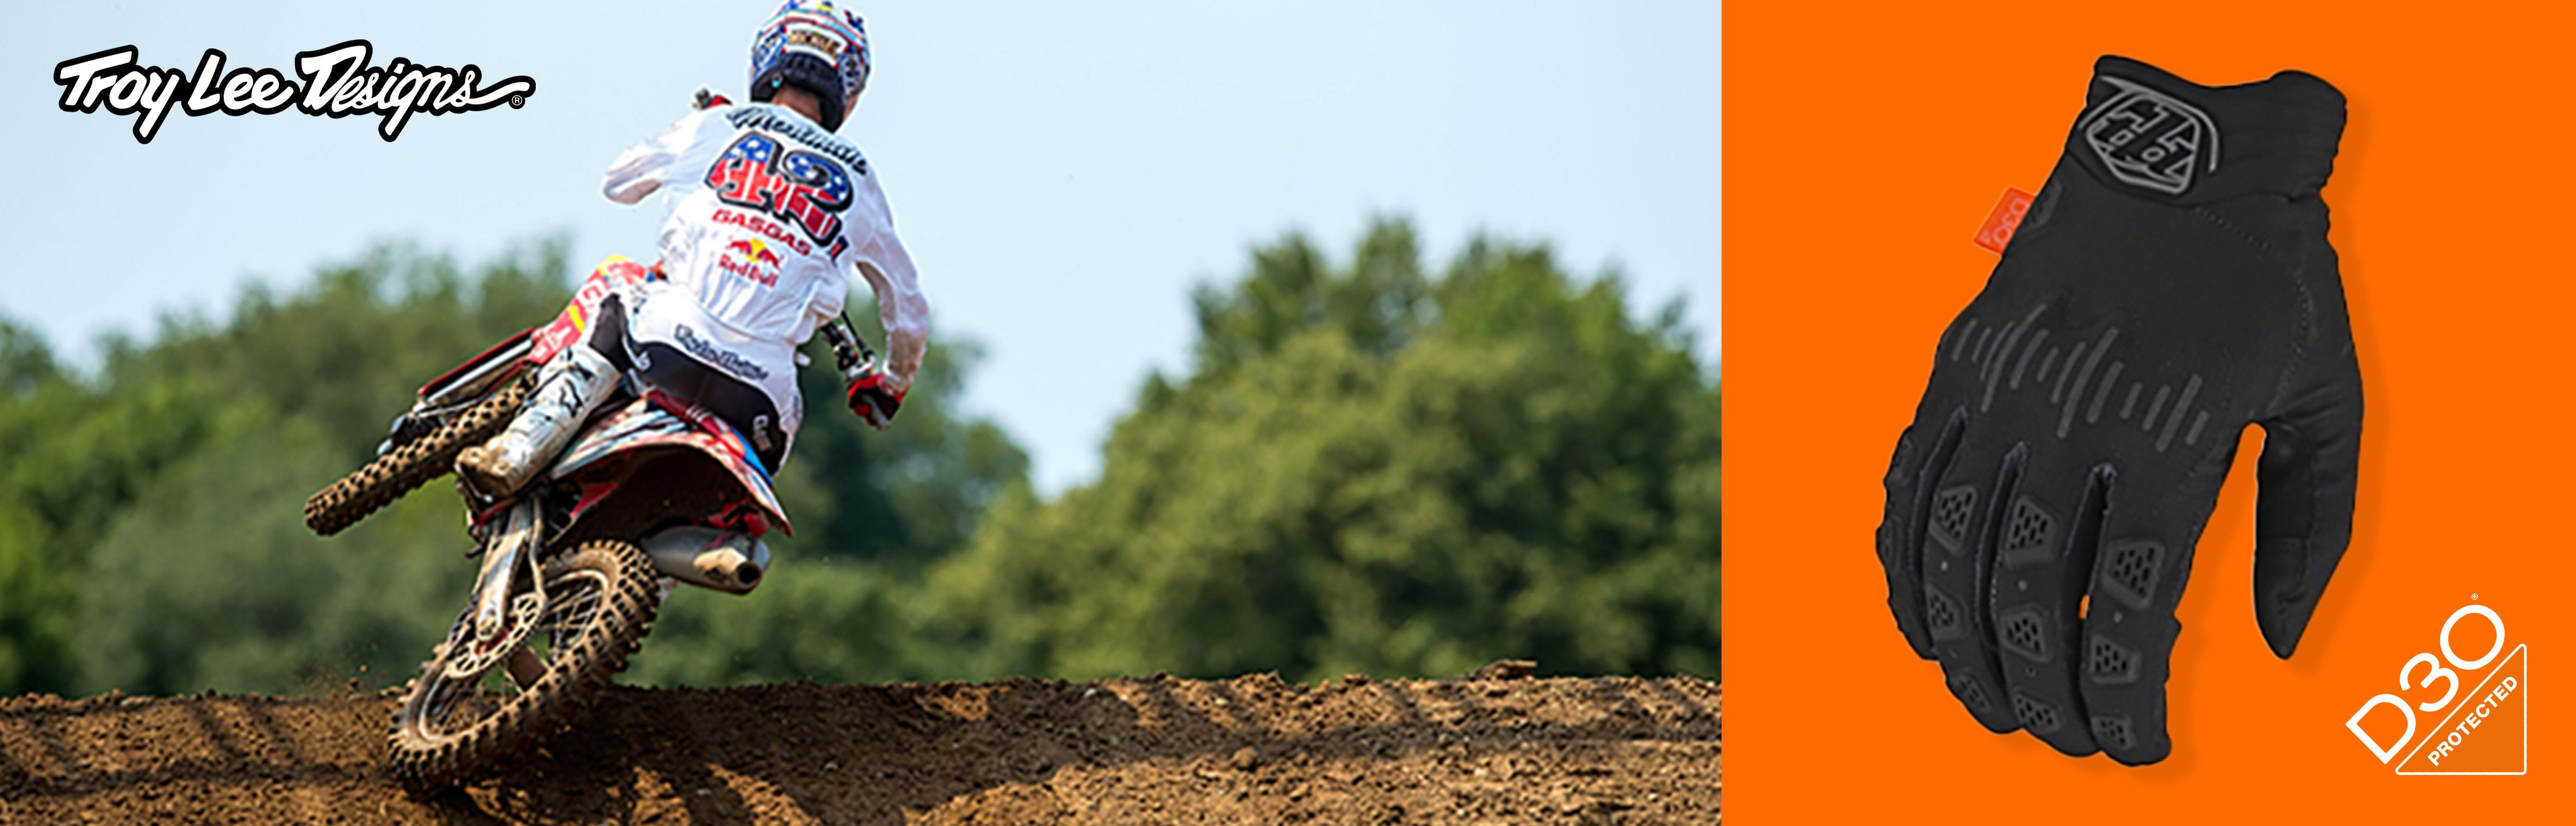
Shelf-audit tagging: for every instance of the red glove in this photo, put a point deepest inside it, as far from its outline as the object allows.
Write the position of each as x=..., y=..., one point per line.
x=873, y=400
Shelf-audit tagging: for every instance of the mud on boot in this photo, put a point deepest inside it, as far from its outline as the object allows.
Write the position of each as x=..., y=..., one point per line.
x=568, y=389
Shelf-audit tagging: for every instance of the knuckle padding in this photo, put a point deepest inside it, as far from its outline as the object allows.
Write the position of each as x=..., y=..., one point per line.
x=1952, y=509
x=2040, y=716
x=2022, y=631
x=2107, y=662
x=1947, y=619
x=1973, y=693
x=2028, y=535
x=2113, y=729
x=2129, y=571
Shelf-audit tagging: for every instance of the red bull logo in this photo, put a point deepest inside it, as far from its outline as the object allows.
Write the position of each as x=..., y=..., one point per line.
x=751, y=258
x=753, y=251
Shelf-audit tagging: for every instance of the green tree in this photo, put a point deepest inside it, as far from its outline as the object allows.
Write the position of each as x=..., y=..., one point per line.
x=205, y=581
x=73, y=457
x=34, y=631
x=827, y=620
x=348, y=350
x=1366, y=468
x=33, y=596
x=25, y=362
x=904, y=496
x=149, y=510
x=1371, y=471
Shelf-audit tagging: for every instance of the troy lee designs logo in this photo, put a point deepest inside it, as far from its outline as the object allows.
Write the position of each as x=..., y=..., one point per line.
x=2149, y=139
x=337, y=83
x=724, y=359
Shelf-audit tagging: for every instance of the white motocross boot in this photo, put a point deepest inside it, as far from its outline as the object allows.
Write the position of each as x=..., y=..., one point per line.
x=568, y=389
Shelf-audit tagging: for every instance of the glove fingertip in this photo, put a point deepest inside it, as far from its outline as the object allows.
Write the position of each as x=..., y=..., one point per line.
x=2283, y=645
x=2283, y=627
x=2289, y=577
x=2152, y=754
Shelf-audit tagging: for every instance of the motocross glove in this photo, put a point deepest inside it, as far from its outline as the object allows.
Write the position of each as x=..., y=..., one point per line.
x=2170, y=285
x=873, y=399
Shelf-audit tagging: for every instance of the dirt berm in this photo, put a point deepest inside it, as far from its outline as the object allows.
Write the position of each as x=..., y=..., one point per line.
x=1487, y=749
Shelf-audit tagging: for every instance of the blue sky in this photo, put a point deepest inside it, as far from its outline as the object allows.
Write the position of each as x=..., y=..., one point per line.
x=1062, y=173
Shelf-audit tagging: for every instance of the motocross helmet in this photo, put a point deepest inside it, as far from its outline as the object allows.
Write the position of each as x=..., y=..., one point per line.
x=812, y=45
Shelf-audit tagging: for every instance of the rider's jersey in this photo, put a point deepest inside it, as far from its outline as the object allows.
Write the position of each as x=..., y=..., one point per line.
x=769, y=213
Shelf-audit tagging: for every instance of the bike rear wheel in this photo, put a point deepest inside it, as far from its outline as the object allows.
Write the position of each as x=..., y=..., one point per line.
x=412, y=464
x=600, y=602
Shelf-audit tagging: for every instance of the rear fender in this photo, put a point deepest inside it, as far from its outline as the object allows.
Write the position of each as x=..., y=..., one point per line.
x=478, y=375
x=645, y=429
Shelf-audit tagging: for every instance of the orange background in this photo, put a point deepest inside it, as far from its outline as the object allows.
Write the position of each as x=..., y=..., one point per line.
x=1863, y=149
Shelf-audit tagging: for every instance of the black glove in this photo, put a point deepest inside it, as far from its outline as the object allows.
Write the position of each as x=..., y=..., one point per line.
x=2170, y=285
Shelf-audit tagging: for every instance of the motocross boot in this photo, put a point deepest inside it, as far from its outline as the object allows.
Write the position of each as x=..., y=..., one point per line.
x=569, y=387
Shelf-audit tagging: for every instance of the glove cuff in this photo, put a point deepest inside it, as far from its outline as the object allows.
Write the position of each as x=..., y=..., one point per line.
x=2151, y=134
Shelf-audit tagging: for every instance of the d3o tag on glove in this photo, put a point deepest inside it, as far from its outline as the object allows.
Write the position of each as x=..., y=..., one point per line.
x=2170, y=285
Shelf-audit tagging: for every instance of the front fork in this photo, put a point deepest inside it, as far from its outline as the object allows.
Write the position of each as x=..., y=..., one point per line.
x=511, y=549
x=497, y=623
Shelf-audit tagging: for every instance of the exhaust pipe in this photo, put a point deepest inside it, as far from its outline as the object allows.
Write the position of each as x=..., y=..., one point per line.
x=727, y=561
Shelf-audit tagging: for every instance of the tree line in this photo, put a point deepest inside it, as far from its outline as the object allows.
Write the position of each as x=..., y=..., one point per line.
x=1366, y=467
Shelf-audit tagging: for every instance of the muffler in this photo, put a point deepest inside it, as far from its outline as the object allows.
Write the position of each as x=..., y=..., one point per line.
x=728, y=561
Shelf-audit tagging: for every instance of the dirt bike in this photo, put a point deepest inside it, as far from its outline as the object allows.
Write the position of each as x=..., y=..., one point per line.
x=650, y=493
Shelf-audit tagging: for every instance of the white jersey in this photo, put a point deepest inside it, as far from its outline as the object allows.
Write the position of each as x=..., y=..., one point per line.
x=769, y=213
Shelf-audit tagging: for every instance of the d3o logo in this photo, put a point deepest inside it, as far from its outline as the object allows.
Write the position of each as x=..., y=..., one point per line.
x=2149, y=139
x=2482, y=730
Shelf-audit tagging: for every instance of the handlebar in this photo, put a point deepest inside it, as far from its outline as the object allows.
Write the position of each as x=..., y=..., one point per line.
x=850, y=352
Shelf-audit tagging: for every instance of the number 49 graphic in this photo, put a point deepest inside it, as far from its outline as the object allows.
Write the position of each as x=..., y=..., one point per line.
x=2487, y=728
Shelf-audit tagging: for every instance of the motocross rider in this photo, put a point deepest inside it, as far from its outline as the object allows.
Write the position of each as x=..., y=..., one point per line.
x=770, y=211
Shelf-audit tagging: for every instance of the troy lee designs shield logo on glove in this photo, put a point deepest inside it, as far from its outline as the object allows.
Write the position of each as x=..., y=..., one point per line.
x=2150, y=139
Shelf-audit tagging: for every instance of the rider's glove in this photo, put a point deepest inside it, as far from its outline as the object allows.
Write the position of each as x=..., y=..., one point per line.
x=2170, y=285
x=873, y=398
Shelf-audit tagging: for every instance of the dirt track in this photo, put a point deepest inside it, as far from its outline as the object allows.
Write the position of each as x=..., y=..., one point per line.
x=1249, y=750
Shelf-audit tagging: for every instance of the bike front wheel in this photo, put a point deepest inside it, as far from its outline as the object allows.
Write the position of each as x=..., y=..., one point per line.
x=600, y=600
